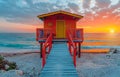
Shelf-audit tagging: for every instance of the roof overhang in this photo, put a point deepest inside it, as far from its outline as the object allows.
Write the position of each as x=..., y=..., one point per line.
x=59, y=12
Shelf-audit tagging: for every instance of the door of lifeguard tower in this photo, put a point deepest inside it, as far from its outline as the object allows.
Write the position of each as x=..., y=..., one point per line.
x=60, y=29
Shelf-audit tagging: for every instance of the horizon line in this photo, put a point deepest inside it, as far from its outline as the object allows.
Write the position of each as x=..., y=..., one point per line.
x=84, y=32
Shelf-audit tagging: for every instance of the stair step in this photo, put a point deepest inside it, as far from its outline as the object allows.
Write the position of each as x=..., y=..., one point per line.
x=59, y=63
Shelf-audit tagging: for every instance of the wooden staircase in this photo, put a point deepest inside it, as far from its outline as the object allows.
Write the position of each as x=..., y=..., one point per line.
x=59, y=63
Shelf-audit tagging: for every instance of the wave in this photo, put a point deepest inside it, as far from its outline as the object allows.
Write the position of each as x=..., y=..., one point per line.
x=36, y=46
x=19, y=46
x=106, y=41
x=99, y=47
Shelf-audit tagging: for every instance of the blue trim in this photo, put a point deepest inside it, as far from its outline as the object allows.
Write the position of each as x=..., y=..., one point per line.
x=41, y=33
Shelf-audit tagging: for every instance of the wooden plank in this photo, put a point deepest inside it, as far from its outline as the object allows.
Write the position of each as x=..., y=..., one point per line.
x=59, y=63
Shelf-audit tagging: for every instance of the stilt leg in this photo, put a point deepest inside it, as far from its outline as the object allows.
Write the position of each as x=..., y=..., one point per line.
x=41, y=44
x=79, y=50
x=76, y=47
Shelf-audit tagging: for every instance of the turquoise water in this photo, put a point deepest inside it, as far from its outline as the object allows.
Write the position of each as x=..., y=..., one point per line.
x=15, y=42
x=19, y=42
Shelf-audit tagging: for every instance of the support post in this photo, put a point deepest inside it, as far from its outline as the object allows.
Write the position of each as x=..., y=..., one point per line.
x=41, y=45
x=79, y=49
x=76, y=47
x=74, y=57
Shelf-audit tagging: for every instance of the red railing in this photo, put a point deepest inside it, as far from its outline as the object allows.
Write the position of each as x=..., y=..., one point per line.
x=72, y=47
x=77, y=34
x=42, y=33
x=47, y=46
x=77, y=37
x=38, y=33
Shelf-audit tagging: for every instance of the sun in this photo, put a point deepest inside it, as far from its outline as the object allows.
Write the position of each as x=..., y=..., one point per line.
x=112, y=31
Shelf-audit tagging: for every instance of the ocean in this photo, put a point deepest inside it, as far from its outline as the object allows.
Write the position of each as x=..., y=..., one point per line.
x=25, y=42
x=100, y=42
x=18, y=42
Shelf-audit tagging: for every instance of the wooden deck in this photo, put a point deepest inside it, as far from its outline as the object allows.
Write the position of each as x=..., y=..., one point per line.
x=59, y=63
x=60, y=40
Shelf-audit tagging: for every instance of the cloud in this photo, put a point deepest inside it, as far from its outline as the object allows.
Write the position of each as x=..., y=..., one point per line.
x=102, y=13
x=92, y=3
x=115, y=6
x=22, y=3
x=116, y=10
x=24, y=11
x=114, y=2
x=73, y=7
x=103, y=3
x=86, y=3
x=38, y=1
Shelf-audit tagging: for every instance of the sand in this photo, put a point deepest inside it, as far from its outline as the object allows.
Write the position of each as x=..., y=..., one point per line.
x=99, y=65
x=89, y=65
x=28, y=63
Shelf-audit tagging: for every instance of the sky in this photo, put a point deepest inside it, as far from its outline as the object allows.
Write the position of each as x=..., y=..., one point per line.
x=20, y=16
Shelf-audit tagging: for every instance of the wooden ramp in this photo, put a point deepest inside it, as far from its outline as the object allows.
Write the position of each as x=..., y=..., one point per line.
x=59, y=63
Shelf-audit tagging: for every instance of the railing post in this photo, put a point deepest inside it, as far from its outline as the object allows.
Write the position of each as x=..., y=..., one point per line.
x=70, y=49
x=79, y=50
x=74, y=57
x=82, y=34
x=51, y=41
x=50, y=44
x=43, y=56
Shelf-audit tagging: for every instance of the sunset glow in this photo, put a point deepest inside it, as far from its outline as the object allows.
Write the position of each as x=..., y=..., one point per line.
x=100, y=16
x=112, y=31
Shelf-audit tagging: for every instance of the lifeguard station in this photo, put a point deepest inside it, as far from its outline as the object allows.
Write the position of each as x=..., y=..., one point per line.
x=59, y=36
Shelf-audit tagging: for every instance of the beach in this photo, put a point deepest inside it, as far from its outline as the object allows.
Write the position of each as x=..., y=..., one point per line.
x=89, y=65
x=98, y=65
x=27, y=63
